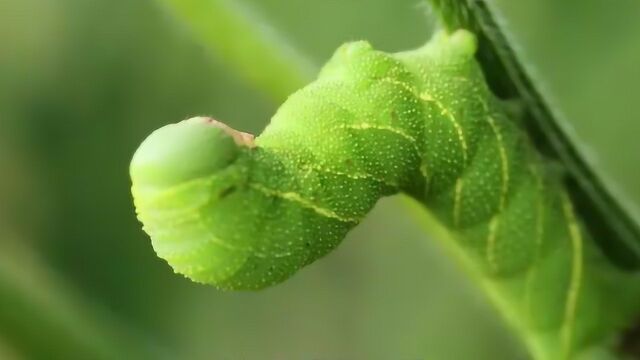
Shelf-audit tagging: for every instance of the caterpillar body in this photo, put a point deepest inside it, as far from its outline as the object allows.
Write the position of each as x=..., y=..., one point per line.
x=225, y=209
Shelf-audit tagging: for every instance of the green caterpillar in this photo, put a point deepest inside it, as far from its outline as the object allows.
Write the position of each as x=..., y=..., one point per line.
x=241, y=213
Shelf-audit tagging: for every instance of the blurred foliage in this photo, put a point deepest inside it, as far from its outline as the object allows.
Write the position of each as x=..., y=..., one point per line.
x=82, y=82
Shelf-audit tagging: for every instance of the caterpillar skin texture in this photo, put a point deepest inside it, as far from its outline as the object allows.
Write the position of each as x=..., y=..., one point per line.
x=224, y=209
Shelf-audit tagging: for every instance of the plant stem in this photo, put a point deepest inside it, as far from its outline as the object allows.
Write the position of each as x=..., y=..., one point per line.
x=245, y=44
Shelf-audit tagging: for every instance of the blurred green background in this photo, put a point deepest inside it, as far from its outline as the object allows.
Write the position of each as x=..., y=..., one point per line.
x=82, y=82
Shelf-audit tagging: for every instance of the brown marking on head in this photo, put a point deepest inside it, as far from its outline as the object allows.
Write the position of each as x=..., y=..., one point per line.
x=241, y=138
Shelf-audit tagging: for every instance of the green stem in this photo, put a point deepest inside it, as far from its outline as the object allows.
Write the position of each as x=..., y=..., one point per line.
x=245, y=44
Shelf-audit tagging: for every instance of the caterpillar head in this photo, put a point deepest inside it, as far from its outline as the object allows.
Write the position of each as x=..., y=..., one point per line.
x=188, y=150
x=180, y=172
